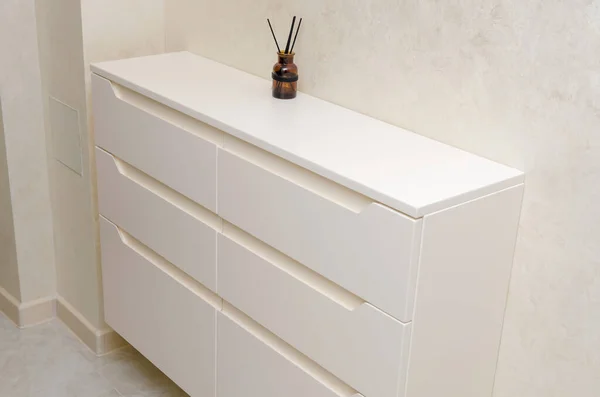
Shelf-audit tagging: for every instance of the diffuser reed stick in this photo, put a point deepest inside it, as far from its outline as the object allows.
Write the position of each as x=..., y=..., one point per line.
x=296, y=36
x=289, y=40
x=287, y=50
x=273, y=33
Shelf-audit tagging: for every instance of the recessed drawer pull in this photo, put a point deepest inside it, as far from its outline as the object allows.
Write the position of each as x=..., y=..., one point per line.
x=170, y=269
x=364, y=247
x=159, y=310
x=287, y=351
x=309, y=277
x=169, y=146
x=325, y=188
x=172, y=225
x=168, y=194
x=167, y=114
x=356, y=342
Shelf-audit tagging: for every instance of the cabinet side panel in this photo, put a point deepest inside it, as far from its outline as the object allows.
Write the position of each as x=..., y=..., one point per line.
x=464, y=273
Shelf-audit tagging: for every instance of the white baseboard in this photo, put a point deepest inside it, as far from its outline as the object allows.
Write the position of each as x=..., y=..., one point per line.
x=9, y=305
x=100, y=341
x=29, y=313
x=37, y=311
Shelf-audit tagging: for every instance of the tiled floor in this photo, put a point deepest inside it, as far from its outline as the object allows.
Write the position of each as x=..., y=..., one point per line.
x=49, y=361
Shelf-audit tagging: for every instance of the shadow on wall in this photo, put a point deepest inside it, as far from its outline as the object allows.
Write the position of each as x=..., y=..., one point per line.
x=9, y=274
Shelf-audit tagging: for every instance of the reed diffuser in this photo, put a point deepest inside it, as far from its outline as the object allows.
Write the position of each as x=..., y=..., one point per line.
x=285, y=71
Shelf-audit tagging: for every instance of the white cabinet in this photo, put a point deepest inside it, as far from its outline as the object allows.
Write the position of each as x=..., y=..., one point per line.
x=256, y=247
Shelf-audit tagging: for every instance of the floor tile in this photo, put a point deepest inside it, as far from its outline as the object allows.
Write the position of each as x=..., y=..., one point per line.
x=49, y=361
x=112, y=393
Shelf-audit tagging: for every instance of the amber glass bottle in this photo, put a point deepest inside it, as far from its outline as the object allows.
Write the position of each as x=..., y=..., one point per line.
x=285, y=77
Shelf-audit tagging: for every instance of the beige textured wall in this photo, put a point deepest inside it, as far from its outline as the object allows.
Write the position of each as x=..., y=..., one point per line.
x=9, y=270
x=515, y=81
x=61, y=53
x=117, y=29
x=72, y=34
x=25, y=142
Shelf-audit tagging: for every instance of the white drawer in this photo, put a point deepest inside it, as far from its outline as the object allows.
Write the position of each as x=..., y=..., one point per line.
x=165, y=144
x=356, y=342
x=168, y=318
x=364, y=247
x=249, y=366
x=170, y=224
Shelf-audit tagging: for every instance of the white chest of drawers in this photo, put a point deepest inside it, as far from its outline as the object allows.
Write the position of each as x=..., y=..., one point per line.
x=263, y=248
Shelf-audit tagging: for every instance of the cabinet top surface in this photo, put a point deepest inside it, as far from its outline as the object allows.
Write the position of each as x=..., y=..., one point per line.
x=408, y=172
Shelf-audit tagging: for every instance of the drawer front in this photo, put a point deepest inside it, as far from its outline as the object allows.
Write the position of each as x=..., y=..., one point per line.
x=173, y=226
x=368, y=249
x=249, y=367
x=170, y=323
x=167, y=145
x=356, y=342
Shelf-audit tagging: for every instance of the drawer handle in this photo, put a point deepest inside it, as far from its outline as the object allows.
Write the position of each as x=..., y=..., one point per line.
x=167, y=267
x=166, y=193
x=167, y=114
x=304, y=178
x=251, y=326
x=314, y=280
x=280, y=346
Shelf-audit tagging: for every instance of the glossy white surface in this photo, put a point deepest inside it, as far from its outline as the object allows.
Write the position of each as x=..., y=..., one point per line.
x=368, y=249
x=398, y=168
x=356, y=342
x=165, y=221
x=172, y=323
